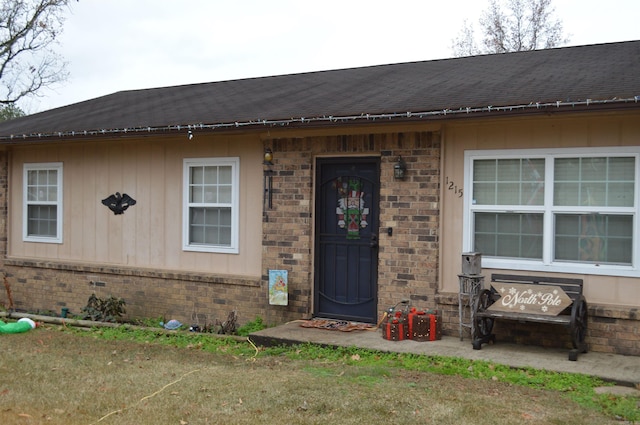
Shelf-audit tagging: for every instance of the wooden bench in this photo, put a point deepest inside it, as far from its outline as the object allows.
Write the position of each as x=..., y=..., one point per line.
x=532, y=299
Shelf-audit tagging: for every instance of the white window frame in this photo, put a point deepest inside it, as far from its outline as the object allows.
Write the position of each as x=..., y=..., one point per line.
x=27, y=167
x=188, y=163
x=547, y=264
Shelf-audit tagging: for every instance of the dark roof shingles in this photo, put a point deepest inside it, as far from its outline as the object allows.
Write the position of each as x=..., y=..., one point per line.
x=570, y=74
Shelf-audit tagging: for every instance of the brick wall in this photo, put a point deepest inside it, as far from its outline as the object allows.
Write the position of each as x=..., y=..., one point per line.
x=44, y=287
x=408, y=261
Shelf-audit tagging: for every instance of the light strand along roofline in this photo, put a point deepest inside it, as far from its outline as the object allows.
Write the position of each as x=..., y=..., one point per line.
x=320, y=119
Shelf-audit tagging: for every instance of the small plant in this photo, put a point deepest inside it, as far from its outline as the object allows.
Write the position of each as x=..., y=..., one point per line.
x=250, y=327
x=103, y=310
x=149, y=322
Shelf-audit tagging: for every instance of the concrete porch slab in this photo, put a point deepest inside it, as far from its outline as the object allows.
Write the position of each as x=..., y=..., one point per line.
x=623, y=370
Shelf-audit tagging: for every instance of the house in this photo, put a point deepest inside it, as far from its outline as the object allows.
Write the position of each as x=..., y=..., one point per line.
x=530, y=158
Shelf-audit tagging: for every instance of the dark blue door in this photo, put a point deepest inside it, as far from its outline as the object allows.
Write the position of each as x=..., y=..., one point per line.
x=346, y=238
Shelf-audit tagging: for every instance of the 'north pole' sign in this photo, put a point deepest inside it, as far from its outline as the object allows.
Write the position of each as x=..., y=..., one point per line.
x=532, y=299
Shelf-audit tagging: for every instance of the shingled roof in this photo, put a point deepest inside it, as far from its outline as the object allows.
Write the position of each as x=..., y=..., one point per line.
x=589, y=77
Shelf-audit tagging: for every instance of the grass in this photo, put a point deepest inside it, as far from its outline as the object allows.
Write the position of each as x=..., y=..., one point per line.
x=58, y=375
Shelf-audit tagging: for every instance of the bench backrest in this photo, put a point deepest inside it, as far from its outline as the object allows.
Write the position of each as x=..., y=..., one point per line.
x=572, y=287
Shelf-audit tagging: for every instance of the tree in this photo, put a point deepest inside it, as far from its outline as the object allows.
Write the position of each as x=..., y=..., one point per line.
x=519, y=26
x=28, y=31
x=9, y=112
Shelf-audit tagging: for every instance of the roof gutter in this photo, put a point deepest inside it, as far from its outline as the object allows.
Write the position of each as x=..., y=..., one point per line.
x=443, y=113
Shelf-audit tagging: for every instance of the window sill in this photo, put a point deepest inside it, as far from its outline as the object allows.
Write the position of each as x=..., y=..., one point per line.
x=584, y=269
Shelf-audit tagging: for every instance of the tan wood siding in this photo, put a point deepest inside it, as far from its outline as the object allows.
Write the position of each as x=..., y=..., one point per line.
x=149, y=234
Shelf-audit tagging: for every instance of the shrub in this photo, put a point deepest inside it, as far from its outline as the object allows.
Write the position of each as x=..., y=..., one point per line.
x=103, y=310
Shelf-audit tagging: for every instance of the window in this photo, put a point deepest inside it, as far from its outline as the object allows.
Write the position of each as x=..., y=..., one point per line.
x=42, y=195
x=557, y=210
x=210, y=218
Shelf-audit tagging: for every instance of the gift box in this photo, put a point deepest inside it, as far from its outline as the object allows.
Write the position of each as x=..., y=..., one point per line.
x=425, y=325
x=395, y=331
x=396, y=327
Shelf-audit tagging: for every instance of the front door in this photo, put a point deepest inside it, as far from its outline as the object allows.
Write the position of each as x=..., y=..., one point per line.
x=346, y=238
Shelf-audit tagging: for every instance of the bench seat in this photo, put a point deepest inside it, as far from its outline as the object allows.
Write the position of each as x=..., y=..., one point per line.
x=573, y=317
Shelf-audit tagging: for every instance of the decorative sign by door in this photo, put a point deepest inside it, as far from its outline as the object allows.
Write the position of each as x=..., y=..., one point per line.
x=351, y=211
x=533, y=299
x=278, y=287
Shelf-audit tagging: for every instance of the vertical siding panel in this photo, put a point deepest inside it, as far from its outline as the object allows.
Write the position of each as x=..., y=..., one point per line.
x=101, y=190
x=85, y=168
x=15, y=245
x=141, y=211
x=129, y=169
x=115, y=169
x=74, y=203
x=174, y=257
x=155, y=207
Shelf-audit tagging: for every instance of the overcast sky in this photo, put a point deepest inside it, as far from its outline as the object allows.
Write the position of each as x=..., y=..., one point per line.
x=115, y=45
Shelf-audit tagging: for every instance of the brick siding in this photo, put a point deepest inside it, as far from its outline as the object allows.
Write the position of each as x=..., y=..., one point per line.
x=408, y=261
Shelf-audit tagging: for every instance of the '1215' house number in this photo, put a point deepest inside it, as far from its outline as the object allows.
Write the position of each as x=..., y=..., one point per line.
x=451, y=185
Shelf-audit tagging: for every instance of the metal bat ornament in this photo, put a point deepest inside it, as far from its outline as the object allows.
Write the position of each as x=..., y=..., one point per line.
x=118, y=203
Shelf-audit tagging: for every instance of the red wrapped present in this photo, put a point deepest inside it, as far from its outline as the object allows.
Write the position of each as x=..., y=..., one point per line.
x=396, y=328
x=425, y=326
x=394, y=331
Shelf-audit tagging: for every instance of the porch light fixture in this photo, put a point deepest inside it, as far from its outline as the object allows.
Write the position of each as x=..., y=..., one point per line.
x=268, y=178
x=268, y=156
x=399, y=169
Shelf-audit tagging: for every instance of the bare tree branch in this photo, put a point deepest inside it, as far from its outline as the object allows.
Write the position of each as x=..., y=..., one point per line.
x=464, y=44
x=28, y=31
x=513, y=26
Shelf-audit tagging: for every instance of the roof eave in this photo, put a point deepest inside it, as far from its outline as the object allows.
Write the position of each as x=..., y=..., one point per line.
x=477, y=111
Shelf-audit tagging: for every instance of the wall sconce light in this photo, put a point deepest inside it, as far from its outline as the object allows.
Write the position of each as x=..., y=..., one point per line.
x=268, y=178
x=399, y=169
x=268, y=156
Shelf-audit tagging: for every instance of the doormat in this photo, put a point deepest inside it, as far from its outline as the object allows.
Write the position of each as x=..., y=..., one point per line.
x=337, y=325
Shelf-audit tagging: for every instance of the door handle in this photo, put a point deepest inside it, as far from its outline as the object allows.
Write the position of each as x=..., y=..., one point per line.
x=374, y=241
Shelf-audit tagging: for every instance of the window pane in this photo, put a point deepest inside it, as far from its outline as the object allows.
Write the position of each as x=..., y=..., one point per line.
x=593, y=194
x=224, y=195
x=195, y=194
x=593, y=169
x=197, y=175
x=508, y=194
x=620, y=194
x=41, y=180
x=210, y=194
x=42, y=185
x=42, y=220
x=594, y=182
x=484, y=193
x=210, y=226
x=622, y=169
x=52, y=194
x=211, y=185
x=508, y=182
x=211, y=175
x=594, y=238
x=566, y=193
x=484, y=170
x=225, y=175
x=510, y=235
